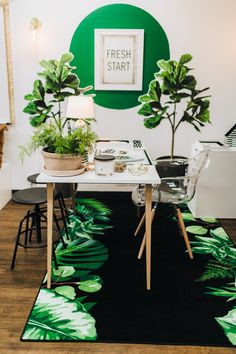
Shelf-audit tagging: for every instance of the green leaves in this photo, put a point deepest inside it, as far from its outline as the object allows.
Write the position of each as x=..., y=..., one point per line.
x=66, y=58
x=174, y=85
x=188, y=217
x=228, y=323
x=218, y=270
x=214, y=242
x=185, y=58
x=67, y=291
x=196, y=229
x=90, y=283
x=61, y=313
x=57, y=317
x=57, y=83
x=83, y=254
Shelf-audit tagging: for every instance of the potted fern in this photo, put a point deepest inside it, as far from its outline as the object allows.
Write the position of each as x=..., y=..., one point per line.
x=173, y=96
x=63, y=146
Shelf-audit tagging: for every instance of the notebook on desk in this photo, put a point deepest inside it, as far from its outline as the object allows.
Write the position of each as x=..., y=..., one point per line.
x=128, y=151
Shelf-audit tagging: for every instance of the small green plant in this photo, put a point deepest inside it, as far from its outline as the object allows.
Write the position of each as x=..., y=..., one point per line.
x=173, y=87
x=46, y=115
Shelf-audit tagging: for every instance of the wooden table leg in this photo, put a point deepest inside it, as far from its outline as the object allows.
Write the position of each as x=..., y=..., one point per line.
x=50, y=188
x=148, y=221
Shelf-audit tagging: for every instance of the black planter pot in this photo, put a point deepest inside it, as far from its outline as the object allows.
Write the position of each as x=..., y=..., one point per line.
x=167, y=169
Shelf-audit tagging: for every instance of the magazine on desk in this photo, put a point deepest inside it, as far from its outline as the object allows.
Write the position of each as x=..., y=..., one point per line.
x=124, y=151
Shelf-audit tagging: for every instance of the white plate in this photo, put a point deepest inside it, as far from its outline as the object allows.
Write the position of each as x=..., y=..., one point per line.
x=64, y=173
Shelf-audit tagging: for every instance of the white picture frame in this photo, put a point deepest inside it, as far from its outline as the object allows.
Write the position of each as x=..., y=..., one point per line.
x=118, y=59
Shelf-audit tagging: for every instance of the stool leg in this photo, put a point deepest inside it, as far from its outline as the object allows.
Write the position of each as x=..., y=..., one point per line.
x=17, y=243
x=59, y=230
x=27, y=227
x=54, y=258
x=64, y=217
x=38, y=222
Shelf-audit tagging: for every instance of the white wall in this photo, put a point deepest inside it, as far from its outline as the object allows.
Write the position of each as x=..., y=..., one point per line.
x=206, y=29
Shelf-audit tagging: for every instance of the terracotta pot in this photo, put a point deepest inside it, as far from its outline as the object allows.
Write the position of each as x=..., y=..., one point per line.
x=61, y=162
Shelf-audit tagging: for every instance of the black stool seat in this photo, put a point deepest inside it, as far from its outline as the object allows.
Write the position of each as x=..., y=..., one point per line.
x=63, y=188
x=30, y=196
x=33, y=179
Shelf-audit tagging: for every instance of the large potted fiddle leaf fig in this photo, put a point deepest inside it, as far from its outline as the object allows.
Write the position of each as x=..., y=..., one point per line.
x=173, y=96
x=62, y=147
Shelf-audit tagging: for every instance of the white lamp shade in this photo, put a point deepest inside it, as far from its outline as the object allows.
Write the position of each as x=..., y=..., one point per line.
x=80, y=107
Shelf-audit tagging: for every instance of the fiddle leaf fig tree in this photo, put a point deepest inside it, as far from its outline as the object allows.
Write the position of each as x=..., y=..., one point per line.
x=173, y=95
x=57, y=82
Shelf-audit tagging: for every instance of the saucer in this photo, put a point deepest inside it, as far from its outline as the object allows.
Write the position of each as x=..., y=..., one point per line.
x=64, y=173
x=138, y=169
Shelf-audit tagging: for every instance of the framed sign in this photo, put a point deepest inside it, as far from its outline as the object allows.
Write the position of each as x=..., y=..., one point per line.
x=118, y=59
x=7, y=111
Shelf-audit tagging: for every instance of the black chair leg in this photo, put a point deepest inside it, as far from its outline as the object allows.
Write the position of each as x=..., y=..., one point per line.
x=17, y=242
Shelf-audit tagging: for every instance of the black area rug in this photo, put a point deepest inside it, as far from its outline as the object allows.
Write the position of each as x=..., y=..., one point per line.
x=113, y=303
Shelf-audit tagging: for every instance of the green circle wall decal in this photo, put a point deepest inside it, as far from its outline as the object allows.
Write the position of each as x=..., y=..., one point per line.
x=118, y=16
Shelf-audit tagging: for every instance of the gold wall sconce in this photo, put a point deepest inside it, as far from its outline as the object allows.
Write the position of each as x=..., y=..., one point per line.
x=35, y=26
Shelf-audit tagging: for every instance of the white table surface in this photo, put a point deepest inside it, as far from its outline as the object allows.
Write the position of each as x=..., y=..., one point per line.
x=151, y=177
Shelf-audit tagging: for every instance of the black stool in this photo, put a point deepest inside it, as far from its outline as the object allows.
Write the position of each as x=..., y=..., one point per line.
x=61, y=191
x=33, y=218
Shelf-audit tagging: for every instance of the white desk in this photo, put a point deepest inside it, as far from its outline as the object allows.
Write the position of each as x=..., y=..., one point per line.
x=151, y=177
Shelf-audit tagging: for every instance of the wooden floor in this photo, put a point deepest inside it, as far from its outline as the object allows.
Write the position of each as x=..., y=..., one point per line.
x=19, y=289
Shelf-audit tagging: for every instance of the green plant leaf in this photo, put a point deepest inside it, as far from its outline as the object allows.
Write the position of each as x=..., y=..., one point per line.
x=189, y=82
x=188, y=217
x=166, y=65
x=220, y=234
x=66, y=290
x=228, y=323
x=64, y=271
x=225, y=291
x=153, y=122
x=154, y=91
x=145, y=110
x=144, y=98
x=90, y=283
x=55, y=317
x=83, y=254
x=196, y=229
x=185, y=58
x=210, y=220
x=216, y=269
x=66, y=58
x=38, y=90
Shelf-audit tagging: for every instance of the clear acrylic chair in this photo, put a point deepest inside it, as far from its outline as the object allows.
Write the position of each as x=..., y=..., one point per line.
x=173, y=190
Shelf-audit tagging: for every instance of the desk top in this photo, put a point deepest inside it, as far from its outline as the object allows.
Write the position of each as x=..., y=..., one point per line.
x=150, y=177
x=116, y=147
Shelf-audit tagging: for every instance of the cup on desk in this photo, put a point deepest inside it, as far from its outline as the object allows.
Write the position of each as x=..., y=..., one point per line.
x=104, y=164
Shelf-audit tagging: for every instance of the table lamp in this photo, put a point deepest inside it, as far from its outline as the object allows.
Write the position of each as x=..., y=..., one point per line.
x=80, y=109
